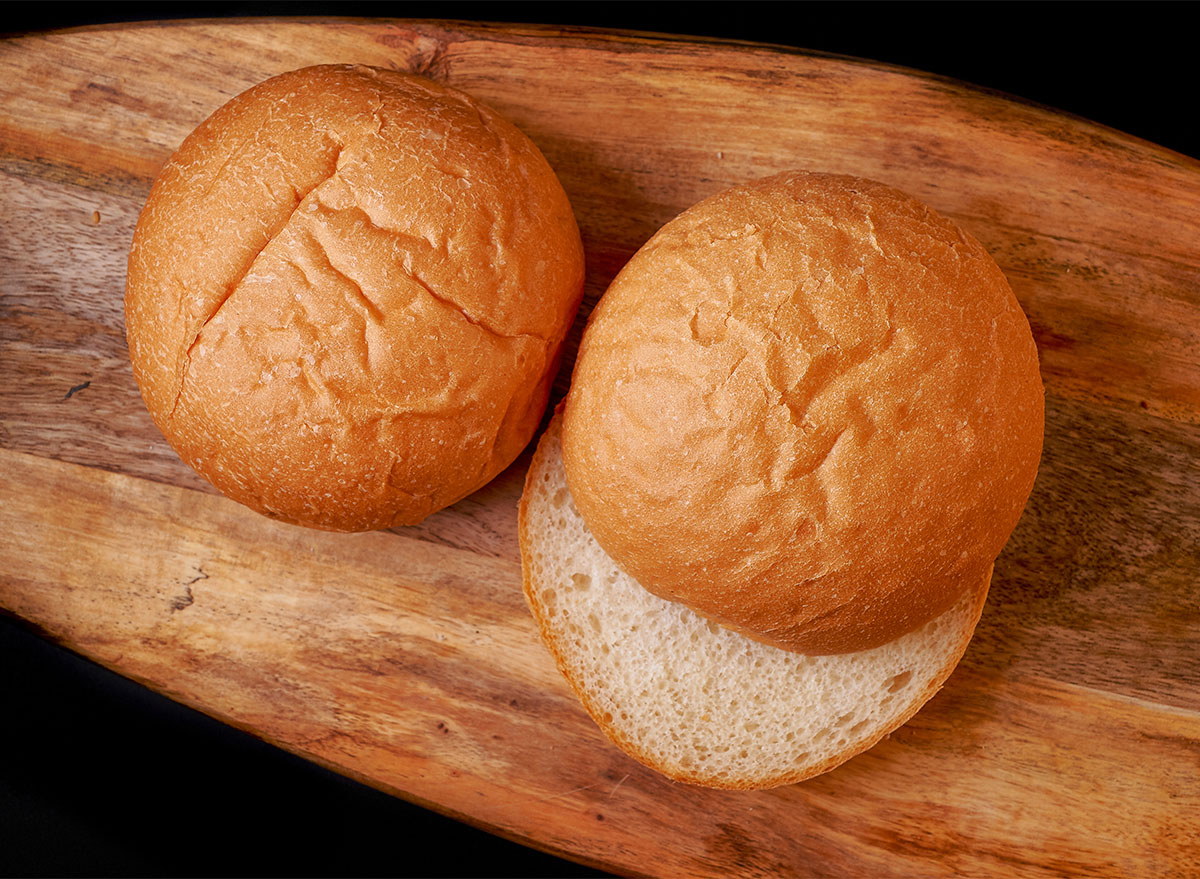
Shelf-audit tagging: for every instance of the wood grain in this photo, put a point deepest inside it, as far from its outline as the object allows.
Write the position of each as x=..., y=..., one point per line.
x=411, y=666
x=1068, y=743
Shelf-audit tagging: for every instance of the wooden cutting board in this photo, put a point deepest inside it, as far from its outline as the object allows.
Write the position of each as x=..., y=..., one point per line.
x=1067, y=743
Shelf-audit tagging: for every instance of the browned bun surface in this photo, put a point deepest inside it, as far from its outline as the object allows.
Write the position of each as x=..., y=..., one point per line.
x=809, y=408
x=347, y=294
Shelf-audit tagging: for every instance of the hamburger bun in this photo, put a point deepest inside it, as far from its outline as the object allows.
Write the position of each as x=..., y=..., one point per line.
x=347, y=295
x=696, y=701
x=809, y=408
x=804, y=419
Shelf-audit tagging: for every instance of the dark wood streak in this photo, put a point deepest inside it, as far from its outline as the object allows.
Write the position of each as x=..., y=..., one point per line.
x=75, y=389
x=1097, y=586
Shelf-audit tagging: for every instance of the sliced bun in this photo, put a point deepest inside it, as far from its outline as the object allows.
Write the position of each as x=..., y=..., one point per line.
x=698, y=702
x=347, y=295
x=809, y=408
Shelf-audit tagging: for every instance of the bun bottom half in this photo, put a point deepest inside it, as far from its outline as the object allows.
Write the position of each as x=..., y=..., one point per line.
x=699, y=703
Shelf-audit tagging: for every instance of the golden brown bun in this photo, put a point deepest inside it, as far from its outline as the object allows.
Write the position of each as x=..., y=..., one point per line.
x=809, y=408
x=347, y=294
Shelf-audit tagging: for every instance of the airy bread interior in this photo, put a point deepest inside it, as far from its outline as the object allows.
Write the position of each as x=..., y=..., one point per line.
x=698, y=702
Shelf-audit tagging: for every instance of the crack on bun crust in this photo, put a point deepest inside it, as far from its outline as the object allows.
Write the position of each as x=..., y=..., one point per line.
x=809, y=408
x=346, y=294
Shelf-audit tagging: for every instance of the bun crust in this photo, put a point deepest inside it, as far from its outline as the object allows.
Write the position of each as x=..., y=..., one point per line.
x=697, y=702
x=347, y=295
x=809, y=408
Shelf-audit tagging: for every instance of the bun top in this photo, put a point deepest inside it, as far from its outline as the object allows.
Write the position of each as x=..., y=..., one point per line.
x=347, y=294
x=809, y=408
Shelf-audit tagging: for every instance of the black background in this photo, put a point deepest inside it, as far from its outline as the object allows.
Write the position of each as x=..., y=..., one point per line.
x=98, y=776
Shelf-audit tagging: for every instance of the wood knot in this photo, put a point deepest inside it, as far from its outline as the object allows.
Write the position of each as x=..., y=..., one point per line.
x=429, y=59
x=187, y=599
